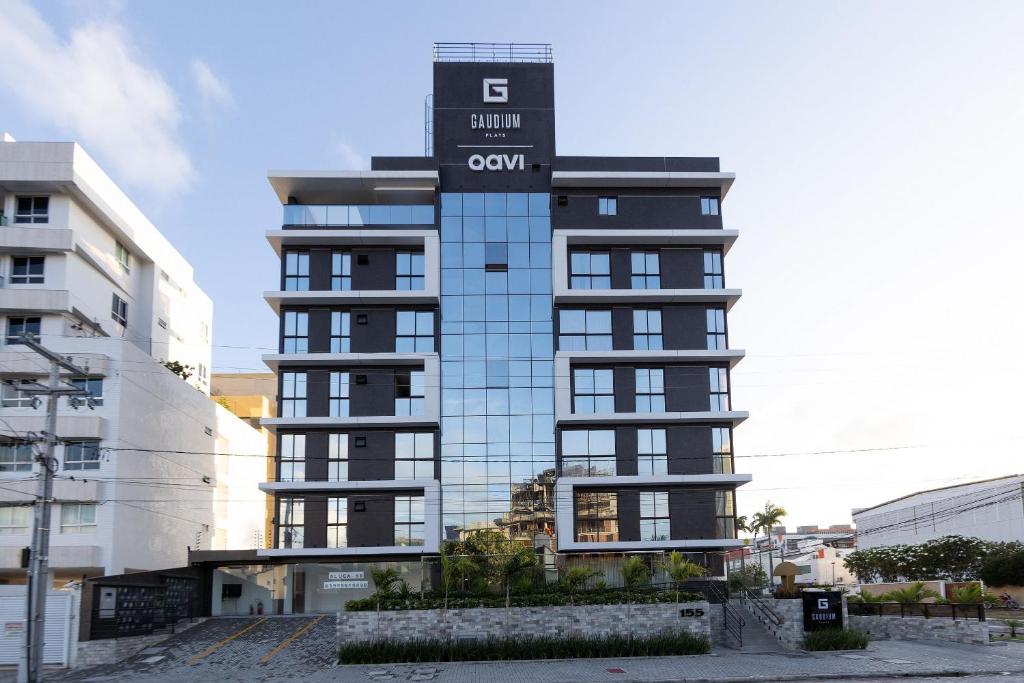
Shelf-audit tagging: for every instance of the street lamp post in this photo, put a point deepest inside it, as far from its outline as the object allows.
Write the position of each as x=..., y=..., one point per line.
x=833, y=574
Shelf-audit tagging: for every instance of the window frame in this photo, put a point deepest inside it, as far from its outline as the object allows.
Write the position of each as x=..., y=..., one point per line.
x=645, y=335
x=714, y=269
x=415, y=460
x=722, y=461
x=608, y=205
x=407, y=279
x=406, y=520
x=9, y=526
x=119, y=310
x=286, y=508
x=596, y=462
x=24, y=322
x=295, y=332
x=339, y=393
x=22, y=457
x=291, y=457
x=418, y=338
x=337, y=521
x=577, y=279
x=596, y=397
x=414, y=402
x=77, y=526
x=33, y=216
x=338, y=457
x=341, y=331
x=92, y=385
x=587, y=511
x=81, y=447
x=717, y=336
x=599, y=340
x=294, y=403
x=725, y=513
x=654, y=516
x=710, y=206
x=341, y=270
x=718, y=389
x=646, y=388
x=652, y=451
x=18, y=399
x=123, y=258
x=29, y=277
x=295, y=270
x=645, y=278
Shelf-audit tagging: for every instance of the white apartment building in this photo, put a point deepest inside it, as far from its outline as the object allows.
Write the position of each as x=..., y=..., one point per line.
x=138, y=478
x=992, y=509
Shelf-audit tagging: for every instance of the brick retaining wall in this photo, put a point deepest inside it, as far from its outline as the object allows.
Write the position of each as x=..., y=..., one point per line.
x=593, y=620
x=919, y=628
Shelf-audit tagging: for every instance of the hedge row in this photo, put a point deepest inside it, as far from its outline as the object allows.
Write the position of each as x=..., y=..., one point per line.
x=537, y=647
x=540, y=599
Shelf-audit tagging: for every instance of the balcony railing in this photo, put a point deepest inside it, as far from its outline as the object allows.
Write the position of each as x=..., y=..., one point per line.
x=351, y=215
x=537, y=53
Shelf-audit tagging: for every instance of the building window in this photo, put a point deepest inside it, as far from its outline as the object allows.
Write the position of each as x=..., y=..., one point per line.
x=719, y=389
x=13, y=397
x=293, y=457
x=203, y=372
x=293, y=394
x=409, y=520
x=647, y=330
x=597, y=517
x=645, y=270
x=77, y=518
x=341, y=271
x=290, y=522
x=296, y=271
x=709, y=206
x=580, y=330
x=414, y=455
x=337, y=522
x=337, y=457
x=81, y=455
x=30, y=327
x=607, y=206
x=713, y=277
x=16, y=457
x=652, y=452
x=725, y=510
x=119, y=310
x=414, y=331
x=14, y=519
x=204, y=330
x=32, y=210
x=27, y=270
x=296, y=332
x=592, y=391
x=339, y=394
x=93, y=386
x=588, y=453
x=650, y=390
x=590, y=270
x=341, y=332
x=721, y=446
x=716, y=329
x=409, y=267
x=124, y=259
x=654, y=519
x=410, y=392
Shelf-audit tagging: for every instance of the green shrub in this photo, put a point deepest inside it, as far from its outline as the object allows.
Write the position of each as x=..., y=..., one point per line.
x=835, y=639
x=546, y=598
x=527, y=647
x=1003, y=569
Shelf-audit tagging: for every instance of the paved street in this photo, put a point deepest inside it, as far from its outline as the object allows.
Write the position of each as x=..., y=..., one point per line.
x=290, y=648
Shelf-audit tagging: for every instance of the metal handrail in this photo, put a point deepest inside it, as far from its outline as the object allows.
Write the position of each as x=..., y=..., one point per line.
x=766, y=611
x=732, y=620
x=918, y=609
x=539, y=53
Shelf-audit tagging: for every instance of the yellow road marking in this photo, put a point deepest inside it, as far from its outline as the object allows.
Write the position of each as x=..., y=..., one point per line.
x=289, y=640
x=213, y=648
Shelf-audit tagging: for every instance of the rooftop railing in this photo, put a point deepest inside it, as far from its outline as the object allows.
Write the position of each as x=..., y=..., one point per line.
x=352, y=215
x=537, y=53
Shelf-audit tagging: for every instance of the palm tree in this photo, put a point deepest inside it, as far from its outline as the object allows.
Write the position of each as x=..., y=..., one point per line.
x=518, y=561
x=577, y=577
x=742, y=525
x=681, y=570
x=767, y=520
x=634, y=573
x=455, y=568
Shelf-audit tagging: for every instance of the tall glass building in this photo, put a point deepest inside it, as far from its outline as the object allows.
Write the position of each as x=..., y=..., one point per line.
x=495, y=337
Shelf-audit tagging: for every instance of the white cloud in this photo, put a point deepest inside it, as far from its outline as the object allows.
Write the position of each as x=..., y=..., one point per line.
x=351, y=159
x=212, y=89
x=95, y=86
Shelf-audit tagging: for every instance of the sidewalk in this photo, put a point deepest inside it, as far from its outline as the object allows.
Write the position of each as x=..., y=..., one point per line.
x=881, y=659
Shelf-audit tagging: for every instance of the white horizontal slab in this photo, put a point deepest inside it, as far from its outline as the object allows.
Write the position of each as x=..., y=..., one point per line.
x=721, y=180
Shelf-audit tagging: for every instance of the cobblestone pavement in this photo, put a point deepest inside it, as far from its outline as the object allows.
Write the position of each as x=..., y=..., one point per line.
x=290, y=648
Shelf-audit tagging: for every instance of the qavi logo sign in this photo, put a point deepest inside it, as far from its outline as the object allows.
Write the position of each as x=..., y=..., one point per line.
x=497, y=162
x=495, y=90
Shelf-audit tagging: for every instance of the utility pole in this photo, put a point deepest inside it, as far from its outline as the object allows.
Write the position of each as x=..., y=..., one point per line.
x=38, y=572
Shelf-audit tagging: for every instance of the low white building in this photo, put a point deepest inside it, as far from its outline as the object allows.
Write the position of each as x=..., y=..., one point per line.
x=992, y=509
x=138, y=475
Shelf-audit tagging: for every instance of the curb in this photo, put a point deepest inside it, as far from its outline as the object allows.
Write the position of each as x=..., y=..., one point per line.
x=832, y=677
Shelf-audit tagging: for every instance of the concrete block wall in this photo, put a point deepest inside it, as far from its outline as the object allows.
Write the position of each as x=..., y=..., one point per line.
x=476, y=623
x=111, y=650
x=791, y=631
x=919, y=628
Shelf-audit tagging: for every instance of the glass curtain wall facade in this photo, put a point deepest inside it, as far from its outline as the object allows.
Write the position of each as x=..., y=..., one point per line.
x=497, y=386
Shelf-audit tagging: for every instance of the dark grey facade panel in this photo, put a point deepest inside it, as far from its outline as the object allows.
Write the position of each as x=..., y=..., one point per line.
x=403, y=163
x=636, y=164
x=636, y=210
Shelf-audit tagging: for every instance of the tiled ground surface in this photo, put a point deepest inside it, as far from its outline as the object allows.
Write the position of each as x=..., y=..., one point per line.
x=310, y=657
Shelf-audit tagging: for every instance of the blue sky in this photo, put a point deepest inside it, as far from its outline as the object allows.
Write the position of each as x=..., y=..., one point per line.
x=877, y=150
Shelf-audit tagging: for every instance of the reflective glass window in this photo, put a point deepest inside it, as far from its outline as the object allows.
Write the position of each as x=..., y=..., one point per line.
x=291, y=522
x=338, y=397
x=588, y=453
x=650, y=390
x=645, y=270
x=714, y=278
x=652, y=452
x=16, y=457
x=337, y=522
x=590, y=270
x=293, y=457
x=593, y=391
x=337, y=457
x=597, y=516
x=293, y=394
x=709, y=206
x=29, y=326
x=719, y=378
x=647, y=330
x=296, y=271
x=584, y=330
x=13, y=397
x=414, y=455
x=410, y=392
x=721, y=446
x=607, y=206
x=93, y=386
x=27, y=270
x=654, y=516
x=296, y=332
x=409, y=270
x=81, y=455
x=341, y=271
x=77, y=518
x=32, y=210
x=15, y=519
x=409, y=520
x=414, y=331
x=716, y=329
x=341, y=332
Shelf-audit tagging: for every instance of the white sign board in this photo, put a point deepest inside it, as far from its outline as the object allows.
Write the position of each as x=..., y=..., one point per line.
x=338, y=585
x=336, y=576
